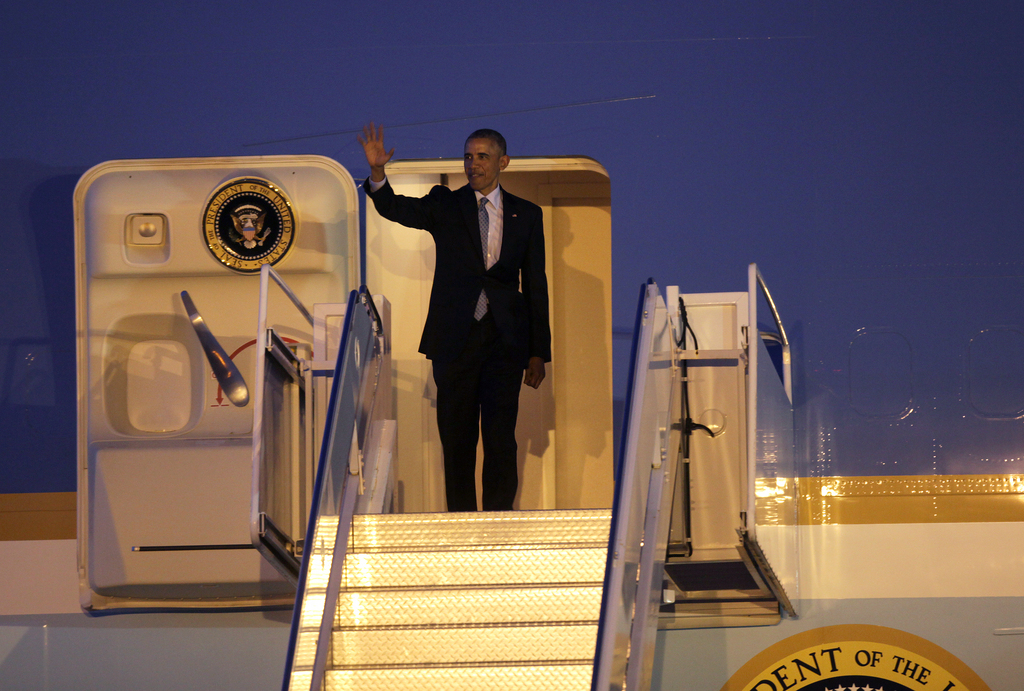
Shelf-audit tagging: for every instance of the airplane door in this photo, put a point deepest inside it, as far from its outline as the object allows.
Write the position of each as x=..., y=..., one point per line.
x=165, y=452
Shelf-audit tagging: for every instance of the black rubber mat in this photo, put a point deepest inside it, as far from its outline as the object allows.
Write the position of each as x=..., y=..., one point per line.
x=710, y=575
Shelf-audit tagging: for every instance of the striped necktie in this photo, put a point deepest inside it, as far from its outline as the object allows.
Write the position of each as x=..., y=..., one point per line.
x=481, y=303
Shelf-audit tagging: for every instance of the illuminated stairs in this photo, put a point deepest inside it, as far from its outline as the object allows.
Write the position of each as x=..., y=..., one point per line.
x=501, y=600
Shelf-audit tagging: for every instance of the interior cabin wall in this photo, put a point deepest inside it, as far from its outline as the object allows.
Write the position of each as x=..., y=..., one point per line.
x=565, y=427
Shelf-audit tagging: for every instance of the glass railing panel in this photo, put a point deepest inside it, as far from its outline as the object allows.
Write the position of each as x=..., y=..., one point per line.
x=282, y=445
x=352, y=409
x=775, y=475
x=646, y=418
x=772, y=532
x=281, y=461
x=661, y=424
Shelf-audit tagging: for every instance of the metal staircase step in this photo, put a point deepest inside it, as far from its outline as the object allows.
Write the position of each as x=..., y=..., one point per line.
x=563, y=677
x=453, y=646
x=469, y=606
x=441, y=531
x=490, y=567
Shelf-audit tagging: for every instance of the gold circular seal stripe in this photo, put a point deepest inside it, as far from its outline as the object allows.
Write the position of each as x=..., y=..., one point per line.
x=878, y=653
x=238, y=234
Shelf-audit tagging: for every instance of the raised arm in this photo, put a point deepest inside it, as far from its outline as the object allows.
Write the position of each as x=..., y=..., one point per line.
x=373, y=146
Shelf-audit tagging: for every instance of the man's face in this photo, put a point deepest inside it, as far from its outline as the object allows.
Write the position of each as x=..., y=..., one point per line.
x=484, y=162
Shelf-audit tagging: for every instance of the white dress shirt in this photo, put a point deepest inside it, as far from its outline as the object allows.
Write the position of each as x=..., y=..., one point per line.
x=495, y=225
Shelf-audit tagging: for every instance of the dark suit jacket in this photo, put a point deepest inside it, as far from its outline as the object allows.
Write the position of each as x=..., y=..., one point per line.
x=451, y=218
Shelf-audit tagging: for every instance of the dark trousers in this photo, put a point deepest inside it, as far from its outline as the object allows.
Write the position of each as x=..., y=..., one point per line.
x=478, y=392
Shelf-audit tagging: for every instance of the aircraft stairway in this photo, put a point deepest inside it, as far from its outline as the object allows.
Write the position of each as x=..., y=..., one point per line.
x=565, y=599
x=482, y=600
x=495, y=600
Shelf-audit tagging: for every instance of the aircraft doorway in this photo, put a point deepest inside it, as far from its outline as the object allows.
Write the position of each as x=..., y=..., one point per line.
x=565, y=427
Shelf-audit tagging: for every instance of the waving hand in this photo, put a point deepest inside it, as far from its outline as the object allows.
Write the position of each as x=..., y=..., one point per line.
x=373, y=146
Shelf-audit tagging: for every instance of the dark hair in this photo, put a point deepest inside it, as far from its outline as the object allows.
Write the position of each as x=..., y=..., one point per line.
x=492, y=135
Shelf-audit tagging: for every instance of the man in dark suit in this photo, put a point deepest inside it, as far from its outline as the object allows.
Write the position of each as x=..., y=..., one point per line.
x=483, y=335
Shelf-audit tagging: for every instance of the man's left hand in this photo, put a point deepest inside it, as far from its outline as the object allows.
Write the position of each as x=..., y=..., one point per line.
x=534, y=372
